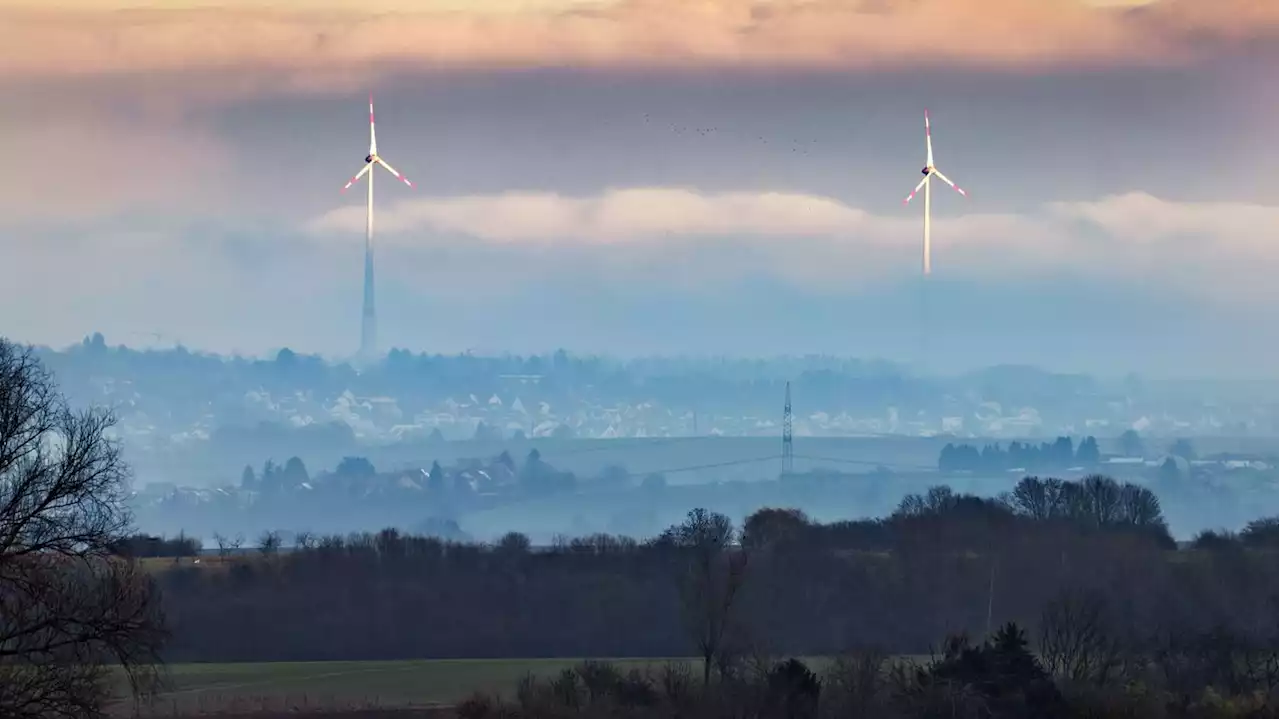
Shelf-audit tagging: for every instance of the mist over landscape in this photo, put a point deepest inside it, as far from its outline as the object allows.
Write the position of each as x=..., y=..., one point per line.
x=729, y=359
x=636, y=441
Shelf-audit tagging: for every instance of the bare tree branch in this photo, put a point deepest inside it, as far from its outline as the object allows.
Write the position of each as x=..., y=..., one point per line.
x=713, y=574
x=1078, y=640
x=69, y=607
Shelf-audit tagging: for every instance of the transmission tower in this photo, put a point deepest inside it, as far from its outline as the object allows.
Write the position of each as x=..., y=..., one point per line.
x=787, y=456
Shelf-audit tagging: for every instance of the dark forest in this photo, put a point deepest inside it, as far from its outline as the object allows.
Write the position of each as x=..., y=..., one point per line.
x=942, y=562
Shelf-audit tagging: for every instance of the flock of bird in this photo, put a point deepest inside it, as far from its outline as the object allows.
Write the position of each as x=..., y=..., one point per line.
x=796, y=146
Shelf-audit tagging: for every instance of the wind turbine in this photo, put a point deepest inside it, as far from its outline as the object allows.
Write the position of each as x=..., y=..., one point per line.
x=368, y=316
x=929, y=172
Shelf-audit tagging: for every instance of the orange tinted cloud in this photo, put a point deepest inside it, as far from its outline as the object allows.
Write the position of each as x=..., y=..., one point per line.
x=330, y=43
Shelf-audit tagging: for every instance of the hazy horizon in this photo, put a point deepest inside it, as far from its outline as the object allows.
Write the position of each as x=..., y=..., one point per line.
x=145, y=342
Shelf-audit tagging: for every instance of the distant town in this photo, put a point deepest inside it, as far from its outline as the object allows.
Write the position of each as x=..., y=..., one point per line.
x=171, y=397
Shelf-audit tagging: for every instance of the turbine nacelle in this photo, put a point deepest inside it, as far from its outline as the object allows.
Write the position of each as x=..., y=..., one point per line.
x=929, y=171
x=370, y=158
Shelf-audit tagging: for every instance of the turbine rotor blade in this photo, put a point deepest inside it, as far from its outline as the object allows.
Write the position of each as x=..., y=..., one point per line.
x=928, y=141
x=393, y=171
x=913, y=192
x=373, y=136
x=363, y=171
x=954, y=186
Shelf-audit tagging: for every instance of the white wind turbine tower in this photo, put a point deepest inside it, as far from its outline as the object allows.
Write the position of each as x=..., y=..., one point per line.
x=929, y=172
x=368, y=317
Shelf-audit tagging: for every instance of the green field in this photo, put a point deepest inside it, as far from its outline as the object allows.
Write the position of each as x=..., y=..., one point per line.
x=195, y=689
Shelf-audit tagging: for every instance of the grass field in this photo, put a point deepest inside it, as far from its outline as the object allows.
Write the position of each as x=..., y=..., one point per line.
x=202, y=689
x=267, y=689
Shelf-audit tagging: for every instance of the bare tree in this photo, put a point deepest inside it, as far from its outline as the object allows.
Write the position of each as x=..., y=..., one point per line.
x=269, y=543
x=69, y=607
x=937, y=500
x=1099, y=501
x=1139, y=507
x=228, y=545
x=1077, y=639
x=1038, y=498
x=713, y=572
x=224, y=546
x=305, y=540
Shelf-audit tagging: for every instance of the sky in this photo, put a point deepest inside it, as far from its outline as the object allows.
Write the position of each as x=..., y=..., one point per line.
x=635, y=177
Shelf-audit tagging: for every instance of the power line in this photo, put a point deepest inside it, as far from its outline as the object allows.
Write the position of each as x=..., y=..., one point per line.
x=868, y=462
x=770, y=458
x=614, y=444
x=788, y=448
x=713, y=465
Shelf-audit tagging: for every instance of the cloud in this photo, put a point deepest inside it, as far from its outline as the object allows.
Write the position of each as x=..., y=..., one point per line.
x=820, y=240
x=1247, y=229
x=617, y=216
x=1062, y=285
x=648, y=235
x=253, y=45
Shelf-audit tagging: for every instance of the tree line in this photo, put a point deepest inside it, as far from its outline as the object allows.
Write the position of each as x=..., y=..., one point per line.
x=1086, y=606
x=943, y=561
x=1057, y=455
